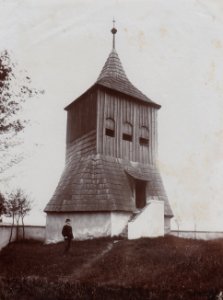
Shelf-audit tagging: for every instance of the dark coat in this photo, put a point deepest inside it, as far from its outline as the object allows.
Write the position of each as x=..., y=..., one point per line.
x=67, y=232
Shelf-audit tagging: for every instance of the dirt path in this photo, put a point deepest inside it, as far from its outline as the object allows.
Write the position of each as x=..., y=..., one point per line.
x=77, y=274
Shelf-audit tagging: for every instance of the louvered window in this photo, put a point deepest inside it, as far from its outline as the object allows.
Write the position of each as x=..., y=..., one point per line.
x=110, y=127
x=144, y=136
x=127, y=132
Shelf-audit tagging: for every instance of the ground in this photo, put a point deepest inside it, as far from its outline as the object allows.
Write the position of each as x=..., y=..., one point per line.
x=160, y=268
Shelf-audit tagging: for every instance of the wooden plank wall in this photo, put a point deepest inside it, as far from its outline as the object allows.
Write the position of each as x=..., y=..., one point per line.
x=81, y=117
x=123, y=109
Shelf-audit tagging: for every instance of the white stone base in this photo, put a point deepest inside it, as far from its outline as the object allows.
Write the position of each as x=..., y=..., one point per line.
x=149, y=223
x=86, y=225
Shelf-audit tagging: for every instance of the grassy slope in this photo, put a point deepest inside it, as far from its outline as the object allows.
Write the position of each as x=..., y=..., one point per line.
x=161, y=268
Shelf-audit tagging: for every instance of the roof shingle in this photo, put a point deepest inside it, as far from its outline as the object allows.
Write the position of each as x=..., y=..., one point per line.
x=113, y=76
x=100, y=183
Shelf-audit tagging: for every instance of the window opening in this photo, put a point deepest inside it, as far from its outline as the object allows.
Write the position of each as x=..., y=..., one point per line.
x=143, y=141
x=110, y=127
x=127, y=137
x=109, y=132
x=144, y=136
x=127, y=132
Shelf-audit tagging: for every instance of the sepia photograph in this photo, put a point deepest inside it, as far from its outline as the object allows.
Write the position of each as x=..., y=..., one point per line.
x=111, y=149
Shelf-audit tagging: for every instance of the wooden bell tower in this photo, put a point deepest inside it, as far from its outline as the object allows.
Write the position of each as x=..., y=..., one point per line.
x=111, y=152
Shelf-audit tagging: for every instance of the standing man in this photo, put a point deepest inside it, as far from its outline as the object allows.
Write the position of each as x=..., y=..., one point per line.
x=67, y=234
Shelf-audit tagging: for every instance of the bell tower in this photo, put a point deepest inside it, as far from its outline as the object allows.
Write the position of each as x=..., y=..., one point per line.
x=111, y=179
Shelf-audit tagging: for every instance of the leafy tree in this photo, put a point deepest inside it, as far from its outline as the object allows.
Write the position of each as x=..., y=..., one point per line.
x=17, y=207
x=15, y=90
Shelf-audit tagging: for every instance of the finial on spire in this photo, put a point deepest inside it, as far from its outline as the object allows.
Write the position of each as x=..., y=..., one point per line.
x=113, y=31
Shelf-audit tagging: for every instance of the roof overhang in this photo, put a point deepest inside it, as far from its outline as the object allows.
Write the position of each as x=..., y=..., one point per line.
x=95, y=85
x=137, y=174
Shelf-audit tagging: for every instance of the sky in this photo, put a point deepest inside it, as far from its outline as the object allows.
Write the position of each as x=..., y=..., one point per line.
x=170, y=49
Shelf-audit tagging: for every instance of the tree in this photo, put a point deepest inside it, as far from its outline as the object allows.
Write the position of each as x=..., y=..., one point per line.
x=15, y=90
x=2, y=205
x=17, y=207
x=24, y=207
x=12, y=210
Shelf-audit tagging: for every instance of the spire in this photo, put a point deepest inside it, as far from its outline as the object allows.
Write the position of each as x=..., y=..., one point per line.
x=113, y=67
x=113, y=31
x=113, y=75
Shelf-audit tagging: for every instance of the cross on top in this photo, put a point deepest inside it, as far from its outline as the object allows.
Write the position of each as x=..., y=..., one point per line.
x=113, y=31
x=113, y=23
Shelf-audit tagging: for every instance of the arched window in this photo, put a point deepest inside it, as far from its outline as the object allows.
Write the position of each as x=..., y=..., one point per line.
x=110, y=127
x=144, y=136
x=127, y=132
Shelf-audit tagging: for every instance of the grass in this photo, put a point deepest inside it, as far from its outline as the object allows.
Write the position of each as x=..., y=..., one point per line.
x=160, y=268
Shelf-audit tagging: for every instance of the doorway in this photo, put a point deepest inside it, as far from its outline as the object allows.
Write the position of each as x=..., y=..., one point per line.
x=140, y=190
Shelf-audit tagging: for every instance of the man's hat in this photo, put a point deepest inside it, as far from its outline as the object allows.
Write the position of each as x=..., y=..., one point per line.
x=67, y=220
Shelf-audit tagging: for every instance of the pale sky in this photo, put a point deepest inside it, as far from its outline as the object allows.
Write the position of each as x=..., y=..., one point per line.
x=172, y=50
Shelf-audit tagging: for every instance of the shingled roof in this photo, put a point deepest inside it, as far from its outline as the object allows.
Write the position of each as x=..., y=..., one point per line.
x=113, y=77
x=100, y=183
x=92, y=183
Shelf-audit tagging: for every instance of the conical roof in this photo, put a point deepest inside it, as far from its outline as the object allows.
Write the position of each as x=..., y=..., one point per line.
x=113, y=76
x=113, y=68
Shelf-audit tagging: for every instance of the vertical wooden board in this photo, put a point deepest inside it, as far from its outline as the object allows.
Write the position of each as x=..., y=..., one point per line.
x=100, y=120
x=123, y=150
x=110, y=143
x=82, y=116
x=122, y=110
x=155, y=135
x=120, y=120
x=151, y=141
x=131, y=122
x=150, y=126
x=128, y=103
x=136, y=117
x=103, y=116
x=120, y=126
x=112, y=140
x=134, y=156
x=107, y=146
x=129, y=151
x=113, y=116
x=145, y=148
x=140, y=124
x=116, y=120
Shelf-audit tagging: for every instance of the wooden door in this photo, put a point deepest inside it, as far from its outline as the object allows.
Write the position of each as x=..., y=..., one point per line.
x=140, y=187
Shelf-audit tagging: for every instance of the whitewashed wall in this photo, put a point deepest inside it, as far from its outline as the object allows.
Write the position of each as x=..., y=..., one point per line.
x=118, y=222
x=31, y=232
x=5, y=234
x=85, y=225
x=149, y=223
